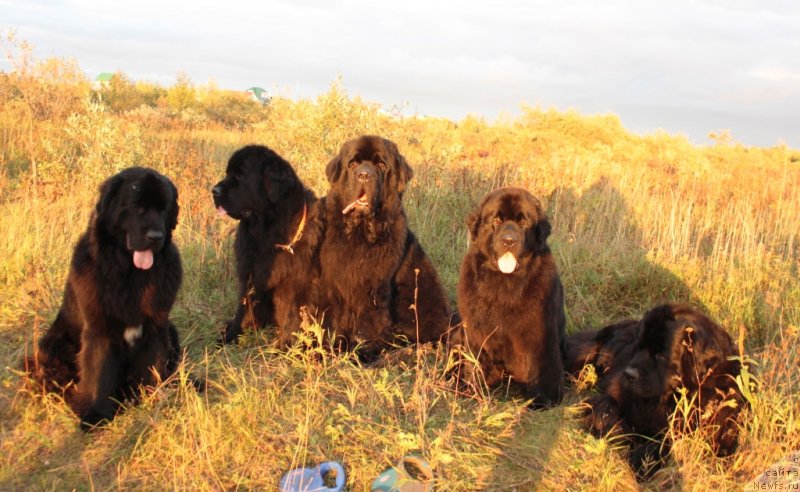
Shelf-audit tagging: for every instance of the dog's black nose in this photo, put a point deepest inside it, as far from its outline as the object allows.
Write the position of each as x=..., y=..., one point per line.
x=364, y=176
x=217, y=190
x=508, y=241
x=631, y=374
x=154, y=236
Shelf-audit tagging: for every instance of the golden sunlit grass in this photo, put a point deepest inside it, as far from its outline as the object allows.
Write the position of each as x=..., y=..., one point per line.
x=636, y=221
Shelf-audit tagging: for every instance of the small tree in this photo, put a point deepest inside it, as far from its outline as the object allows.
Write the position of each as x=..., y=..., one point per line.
x=182, y=95
x=120, y=94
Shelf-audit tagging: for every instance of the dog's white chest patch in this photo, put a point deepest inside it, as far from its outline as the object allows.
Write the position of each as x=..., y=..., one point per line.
x=132, y=333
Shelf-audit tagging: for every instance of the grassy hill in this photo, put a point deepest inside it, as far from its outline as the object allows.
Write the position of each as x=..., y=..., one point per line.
x=637, y=220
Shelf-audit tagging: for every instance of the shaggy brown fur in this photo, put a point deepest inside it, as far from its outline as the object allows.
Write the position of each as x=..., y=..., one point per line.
x=369, y=255
x=510, y=296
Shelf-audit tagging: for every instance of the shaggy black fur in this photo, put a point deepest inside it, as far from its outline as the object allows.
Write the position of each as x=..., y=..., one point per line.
x=277, y=248
x=113, y=333
x=510, y=296
x=369, y=256
x=642, y=367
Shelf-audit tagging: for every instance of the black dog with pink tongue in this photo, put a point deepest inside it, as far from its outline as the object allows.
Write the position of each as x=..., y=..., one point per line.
x=112, y=334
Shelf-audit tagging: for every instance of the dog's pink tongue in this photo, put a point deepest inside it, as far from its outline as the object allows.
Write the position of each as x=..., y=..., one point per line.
x=507, y=263
x=143, y=259
x=221, y=212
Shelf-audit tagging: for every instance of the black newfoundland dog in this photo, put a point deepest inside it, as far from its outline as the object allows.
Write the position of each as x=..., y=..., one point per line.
x=510, y=296
x=373, y=268
x=113, y=333
x=643, y=367
x=277, y=240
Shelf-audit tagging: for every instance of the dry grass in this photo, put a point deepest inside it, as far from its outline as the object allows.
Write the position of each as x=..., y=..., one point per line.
x=637, y=221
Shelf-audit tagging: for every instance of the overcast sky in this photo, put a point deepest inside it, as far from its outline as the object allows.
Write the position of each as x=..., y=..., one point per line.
x=688, y=67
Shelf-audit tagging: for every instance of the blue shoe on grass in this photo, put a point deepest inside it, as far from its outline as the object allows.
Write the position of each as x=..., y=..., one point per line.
x=314, y=479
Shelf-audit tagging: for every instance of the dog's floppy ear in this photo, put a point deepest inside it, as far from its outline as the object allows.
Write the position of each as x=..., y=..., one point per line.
x=172, y=217
x=474, y=224
x=279, y=178
x=404, y=171
x=704, y=348
x=275, y=183
x=542, y=231
x=109, y=191
x=334, y=167
x=536, y=235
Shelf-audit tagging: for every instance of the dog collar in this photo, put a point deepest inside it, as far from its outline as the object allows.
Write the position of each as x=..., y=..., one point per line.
x=297, y=235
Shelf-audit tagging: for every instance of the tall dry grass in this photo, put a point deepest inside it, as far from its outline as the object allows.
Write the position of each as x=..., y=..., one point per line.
x=637, y=220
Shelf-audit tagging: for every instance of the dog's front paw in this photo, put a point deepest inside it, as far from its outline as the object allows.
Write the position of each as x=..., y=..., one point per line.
x=93, y=420
x=229, y=334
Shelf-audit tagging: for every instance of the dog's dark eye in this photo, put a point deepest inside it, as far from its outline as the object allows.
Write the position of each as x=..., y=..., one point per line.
x=140, y=210
x=496, y=221
x=352, y=164
x=523, y=222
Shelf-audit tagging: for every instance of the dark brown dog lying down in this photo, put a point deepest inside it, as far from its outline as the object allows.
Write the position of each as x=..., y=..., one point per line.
x=510, y=296
x=644, y=364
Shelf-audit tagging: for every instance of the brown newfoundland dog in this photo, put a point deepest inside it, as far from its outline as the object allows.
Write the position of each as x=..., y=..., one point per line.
x=510, y=296
x=373, y=268
x=113, y=333
x=643, y=367
x=277, y=241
